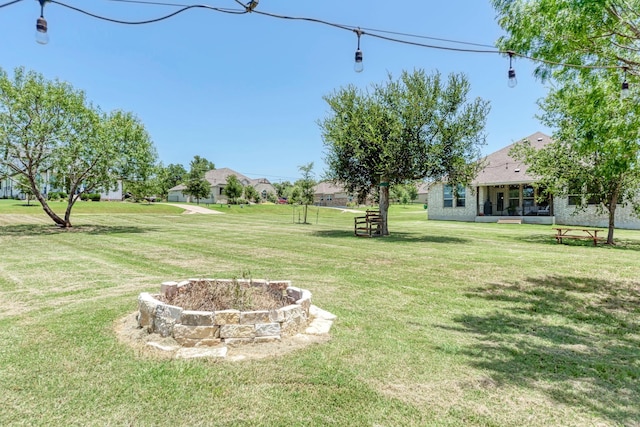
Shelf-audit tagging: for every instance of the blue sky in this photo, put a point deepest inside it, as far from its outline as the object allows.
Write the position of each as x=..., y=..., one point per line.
x=245, y=91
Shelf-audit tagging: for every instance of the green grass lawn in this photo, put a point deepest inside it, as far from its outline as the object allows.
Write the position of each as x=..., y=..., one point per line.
x=441, y=323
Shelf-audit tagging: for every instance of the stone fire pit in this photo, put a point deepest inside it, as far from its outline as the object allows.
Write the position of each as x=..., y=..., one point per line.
x=192, y=329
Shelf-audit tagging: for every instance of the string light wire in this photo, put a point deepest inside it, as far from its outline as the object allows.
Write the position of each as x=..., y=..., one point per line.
x=342, y=26
x=9, y=3
x=154, y=20
x=364, y=31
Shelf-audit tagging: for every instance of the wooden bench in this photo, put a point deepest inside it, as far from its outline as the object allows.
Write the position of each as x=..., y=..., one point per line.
x=369, y=225
x=577, y=233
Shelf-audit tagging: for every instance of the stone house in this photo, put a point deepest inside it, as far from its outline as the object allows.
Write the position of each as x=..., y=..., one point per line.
x=326, y=193
x=218, y=180
x=505, y=189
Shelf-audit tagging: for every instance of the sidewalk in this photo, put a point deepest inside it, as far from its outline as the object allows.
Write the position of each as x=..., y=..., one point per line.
x=191, y=209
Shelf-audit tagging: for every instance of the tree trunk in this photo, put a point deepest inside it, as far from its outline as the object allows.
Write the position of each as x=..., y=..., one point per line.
x=67, y=212
x=384, y=206
x=612, y=212
x=45, y=206
x=305, y=214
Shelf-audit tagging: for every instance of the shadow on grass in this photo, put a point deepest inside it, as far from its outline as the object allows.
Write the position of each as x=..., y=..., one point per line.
x=549, y=239
x=49, y=229
x=393, y=237
x=575, y=339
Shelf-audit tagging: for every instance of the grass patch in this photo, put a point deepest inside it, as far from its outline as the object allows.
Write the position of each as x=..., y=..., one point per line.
x=441, y=323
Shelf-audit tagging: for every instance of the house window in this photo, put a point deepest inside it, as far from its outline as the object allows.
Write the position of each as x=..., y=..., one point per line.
x=528, y=200
x=460, y=197
x=221, y=189
x=448, y=196
x=264, y=194
x=514, y=197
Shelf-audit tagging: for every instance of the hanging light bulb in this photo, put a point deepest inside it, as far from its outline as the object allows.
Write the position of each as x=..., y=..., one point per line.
x=41, y=26
x=624, y=92
x=358, y=66
x=512, y=82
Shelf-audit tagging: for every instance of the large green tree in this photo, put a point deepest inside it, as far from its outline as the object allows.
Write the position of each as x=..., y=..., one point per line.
x=251, y=194
x=283, y=189
x=586, y=49
x=577, y=32
x=234, y=188
x=49, y=128
x=197, y=186
x=168, y=177
x=403, y=130
x=596, y=152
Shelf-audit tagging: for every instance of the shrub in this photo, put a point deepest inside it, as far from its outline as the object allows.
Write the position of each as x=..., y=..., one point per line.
x=94, y=197
x=57, y=195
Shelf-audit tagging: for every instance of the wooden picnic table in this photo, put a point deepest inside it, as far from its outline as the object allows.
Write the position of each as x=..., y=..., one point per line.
x=577, y=233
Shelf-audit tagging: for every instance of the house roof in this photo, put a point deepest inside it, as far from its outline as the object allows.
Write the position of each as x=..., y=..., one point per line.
x=501, y=168
x=423, y=187
x=218, y=177
x=326, y=187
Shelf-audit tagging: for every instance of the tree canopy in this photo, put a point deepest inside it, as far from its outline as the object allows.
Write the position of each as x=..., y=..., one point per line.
x=403, y=130
x=588, y=49
x=168, y=177
x=251, y=194
x=596, y=151
x=578, y=32
x=234, y=188
x=49, y=129
x=305, y=186
x=197, y=186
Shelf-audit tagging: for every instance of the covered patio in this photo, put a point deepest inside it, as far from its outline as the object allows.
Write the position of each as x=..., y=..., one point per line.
x=515, y=201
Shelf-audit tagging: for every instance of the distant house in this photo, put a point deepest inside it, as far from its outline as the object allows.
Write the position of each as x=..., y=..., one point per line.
x=329, y=194
x=504, y=188
x=423, y=192
x=326, y=193
x=114, y=194
x=11, y=189
x=218, y=180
